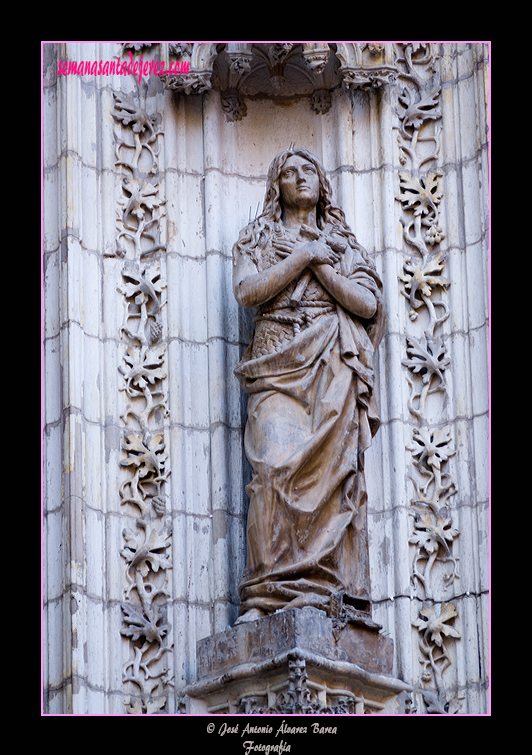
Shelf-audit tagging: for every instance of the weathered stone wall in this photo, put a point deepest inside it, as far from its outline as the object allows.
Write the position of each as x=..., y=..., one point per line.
x=145, y=191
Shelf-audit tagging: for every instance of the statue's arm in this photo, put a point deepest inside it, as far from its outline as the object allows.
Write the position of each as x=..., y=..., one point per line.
x=350, y=294
x=252, y=288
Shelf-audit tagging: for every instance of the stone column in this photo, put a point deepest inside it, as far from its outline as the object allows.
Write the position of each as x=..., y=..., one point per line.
x=81, y=526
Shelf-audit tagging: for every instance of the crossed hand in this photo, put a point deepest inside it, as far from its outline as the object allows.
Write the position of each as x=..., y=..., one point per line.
x=325, y=249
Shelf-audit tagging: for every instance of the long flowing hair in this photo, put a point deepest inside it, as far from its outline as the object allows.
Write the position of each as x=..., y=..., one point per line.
x=255, y=236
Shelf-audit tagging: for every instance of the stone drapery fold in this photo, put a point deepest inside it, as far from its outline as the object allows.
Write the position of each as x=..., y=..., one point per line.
x=311, y=415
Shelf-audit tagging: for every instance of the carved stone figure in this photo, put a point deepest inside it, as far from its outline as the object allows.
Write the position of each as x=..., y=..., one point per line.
x=309, y=373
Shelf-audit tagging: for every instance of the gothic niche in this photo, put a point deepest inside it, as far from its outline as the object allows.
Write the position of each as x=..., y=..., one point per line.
x=305, y=640
x=309, y=373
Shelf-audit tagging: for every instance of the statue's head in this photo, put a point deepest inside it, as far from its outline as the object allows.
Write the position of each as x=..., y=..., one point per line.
x=273, y=202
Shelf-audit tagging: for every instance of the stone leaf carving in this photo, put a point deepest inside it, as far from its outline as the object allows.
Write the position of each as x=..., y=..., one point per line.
x=433, y=531
x=420, y=280
x=148, y=460
x=420, y=198
x=128, y=112
x=233, y=105
x=146, y=550
x=297, y=698
x=439, y=704
x=427, y=357
x=143, y=196
x=434, y=567
x=421, y=194
x=145, y=131
x=432, y=446
x=433, y=528
x=418, y=111
x=143, y=624
x=434, y=625
x=435, y=629
x=140, y=207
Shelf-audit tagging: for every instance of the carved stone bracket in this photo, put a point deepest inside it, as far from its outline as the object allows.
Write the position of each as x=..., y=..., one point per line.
x=434, y=567
x=147, y=540
x=292, y=663
x=241, y=69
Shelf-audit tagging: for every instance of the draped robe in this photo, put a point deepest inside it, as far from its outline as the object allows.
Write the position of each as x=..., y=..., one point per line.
x=309, y=373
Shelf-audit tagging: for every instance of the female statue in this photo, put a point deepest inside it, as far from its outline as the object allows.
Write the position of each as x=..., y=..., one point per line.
x=309, y=373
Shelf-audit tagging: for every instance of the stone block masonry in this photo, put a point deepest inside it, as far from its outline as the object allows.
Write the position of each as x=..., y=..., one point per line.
x=215, y=131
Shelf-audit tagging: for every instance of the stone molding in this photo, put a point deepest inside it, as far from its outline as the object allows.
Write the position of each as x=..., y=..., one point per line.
x=293, y=683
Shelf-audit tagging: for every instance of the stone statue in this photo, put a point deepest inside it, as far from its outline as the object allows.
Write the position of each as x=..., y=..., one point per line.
x=309, y=373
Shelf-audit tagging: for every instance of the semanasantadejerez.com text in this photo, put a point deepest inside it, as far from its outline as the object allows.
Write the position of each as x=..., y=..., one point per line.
x=122, y=68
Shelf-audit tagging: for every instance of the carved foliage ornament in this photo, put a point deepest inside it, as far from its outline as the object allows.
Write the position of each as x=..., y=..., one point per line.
x=298, y=697
x=434, y=567
x=147, y=540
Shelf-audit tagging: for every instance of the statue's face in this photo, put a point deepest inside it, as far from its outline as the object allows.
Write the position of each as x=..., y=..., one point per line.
x=299, y=183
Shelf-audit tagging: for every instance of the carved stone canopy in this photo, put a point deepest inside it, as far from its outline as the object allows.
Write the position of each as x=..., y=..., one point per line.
x=244, y=69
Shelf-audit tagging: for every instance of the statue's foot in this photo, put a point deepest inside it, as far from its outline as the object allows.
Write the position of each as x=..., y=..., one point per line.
x=252, y=615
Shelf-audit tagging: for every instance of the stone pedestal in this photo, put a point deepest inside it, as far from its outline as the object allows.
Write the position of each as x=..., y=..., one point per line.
x=295, y=662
